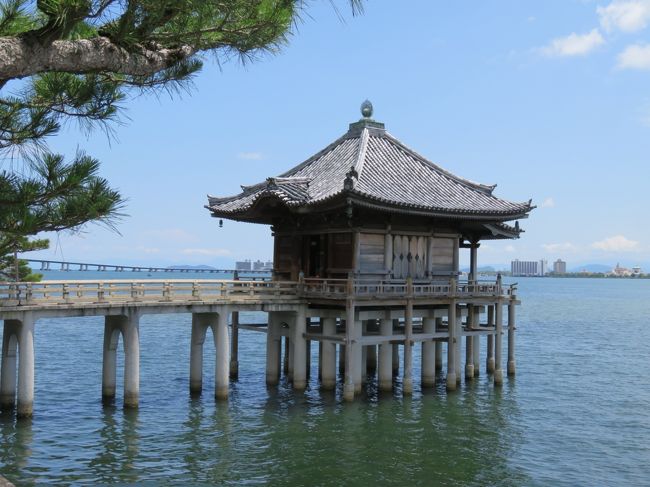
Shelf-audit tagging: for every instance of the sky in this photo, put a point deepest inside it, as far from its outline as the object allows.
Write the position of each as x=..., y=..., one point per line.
x=550, y=100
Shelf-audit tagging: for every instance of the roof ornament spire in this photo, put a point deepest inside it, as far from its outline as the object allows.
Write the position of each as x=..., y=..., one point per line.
x=366, y=109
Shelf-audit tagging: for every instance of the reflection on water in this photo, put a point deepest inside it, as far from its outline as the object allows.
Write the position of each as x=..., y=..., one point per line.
x=555, y=424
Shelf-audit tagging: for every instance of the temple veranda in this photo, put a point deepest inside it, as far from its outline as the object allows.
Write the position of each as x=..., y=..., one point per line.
x=363, y=323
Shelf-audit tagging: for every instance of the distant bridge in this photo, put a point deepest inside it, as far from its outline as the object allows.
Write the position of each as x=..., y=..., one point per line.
x=47, y=265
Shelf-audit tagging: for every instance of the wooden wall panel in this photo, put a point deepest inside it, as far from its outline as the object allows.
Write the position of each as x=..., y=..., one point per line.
x=371, y=253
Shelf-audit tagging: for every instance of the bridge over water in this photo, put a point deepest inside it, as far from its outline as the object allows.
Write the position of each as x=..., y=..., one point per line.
x=47, y=265
x=363, y=321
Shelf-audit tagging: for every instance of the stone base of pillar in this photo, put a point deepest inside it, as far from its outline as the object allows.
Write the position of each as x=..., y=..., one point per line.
x=469, y=371
x=498, y=377
x=234, y=369
x=221, y=393
x=451, y=381
x=348, y=392
x=511, y=367
x=131, y=400
x=490, y=365
x=407, y=386
x=428, y=381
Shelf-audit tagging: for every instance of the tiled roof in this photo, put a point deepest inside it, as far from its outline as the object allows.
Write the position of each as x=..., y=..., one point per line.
x=373, y=168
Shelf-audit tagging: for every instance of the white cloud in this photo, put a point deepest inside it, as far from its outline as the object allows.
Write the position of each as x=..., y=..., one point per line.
x=548, y=203
x=208, y=252
x=560, y=247
x=574, y=44
x=625, y=15
x=618, y=243
x=250, y=156
x=510, y=248
x=636, y=56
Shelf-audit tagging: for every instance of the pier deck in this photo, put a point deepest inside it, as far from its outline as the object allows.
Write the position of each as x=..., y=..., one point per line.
x=364, y=321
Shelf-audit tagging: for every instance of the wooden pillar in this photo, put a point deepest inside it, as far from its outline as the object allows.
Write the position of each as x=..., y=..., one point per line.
x=428, y=354
x=348, y=385
x=455, y=255
x=473, y=262
x=511, y=336
x=451, y=347
x=200, y=324
x=357, y=357
x=489, y=360
x=25, y=401
x=341, y=359
x=328, y=355
x=407, y=381
x=388, y=252
x=299, y=346
x=307, y=360
x=386, y=355
x=273, y=349
x=9, y=362
x=287, y=352
x=498, y=372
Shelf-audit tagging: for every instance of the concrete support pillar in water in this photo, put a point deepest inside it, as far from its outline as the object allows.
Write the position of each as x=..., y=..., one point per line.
x=25, y=406
x=469, y=358
x=307, y=360
x=451, y=347
x=200, y=324
x=222, y=364
x=328, y=360
x=299, y=345
x=469, y=345
x=476, y=348
x=428, y=354
x=273, y=349
x=438, y=322
x=407, y=382
x=127, y=326
x=364, y=354
x=9, y=362
x=395, y=351
x=511, y=336
x=287, y=354
x=371, y=355
x=341, y=359
x=357, y=358
x=386, y=356
x=348, y=385
x=498, y=372
x=234, y=346
x=489, y=359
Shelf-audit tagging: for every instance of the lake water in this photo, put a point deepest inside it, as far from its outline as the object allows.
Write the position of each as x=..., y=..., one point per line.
x=578, y=412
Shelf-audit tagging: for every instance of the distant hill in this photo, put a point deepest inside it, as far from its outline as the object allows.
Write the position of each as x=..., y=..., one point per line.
x=592, y=268
x=191, y=267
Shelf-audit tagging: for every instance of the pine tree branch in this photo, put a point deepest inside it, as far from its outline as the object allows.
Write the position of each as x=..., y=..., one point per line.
x=20, y=58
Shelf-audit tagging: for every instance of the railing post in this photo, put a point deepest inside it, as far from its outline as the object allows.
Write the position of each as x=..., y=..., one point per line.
x=195, y=291
x=100, y=293
x=65, y=293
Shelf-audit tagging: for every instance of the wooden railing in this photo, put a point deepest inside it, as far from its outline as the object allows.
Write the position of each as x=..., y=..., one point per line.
x=48, y=293
x=401, y=288
x=146, y=290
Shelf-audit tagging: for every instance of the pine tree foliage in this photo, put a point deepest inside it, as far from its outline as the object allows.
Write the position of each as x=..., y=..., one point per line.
x=76, y=60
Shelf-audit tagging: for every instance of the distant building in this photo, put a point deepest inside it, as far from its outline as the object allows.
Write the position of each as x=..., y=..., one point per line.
x=559, y=267
x=619, y=271
x=244, y=265
x=529, y=267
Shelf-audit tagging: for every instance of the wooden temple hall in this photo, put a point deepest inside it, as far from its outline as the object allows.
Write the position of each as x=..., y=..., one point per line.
x=372, y=232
